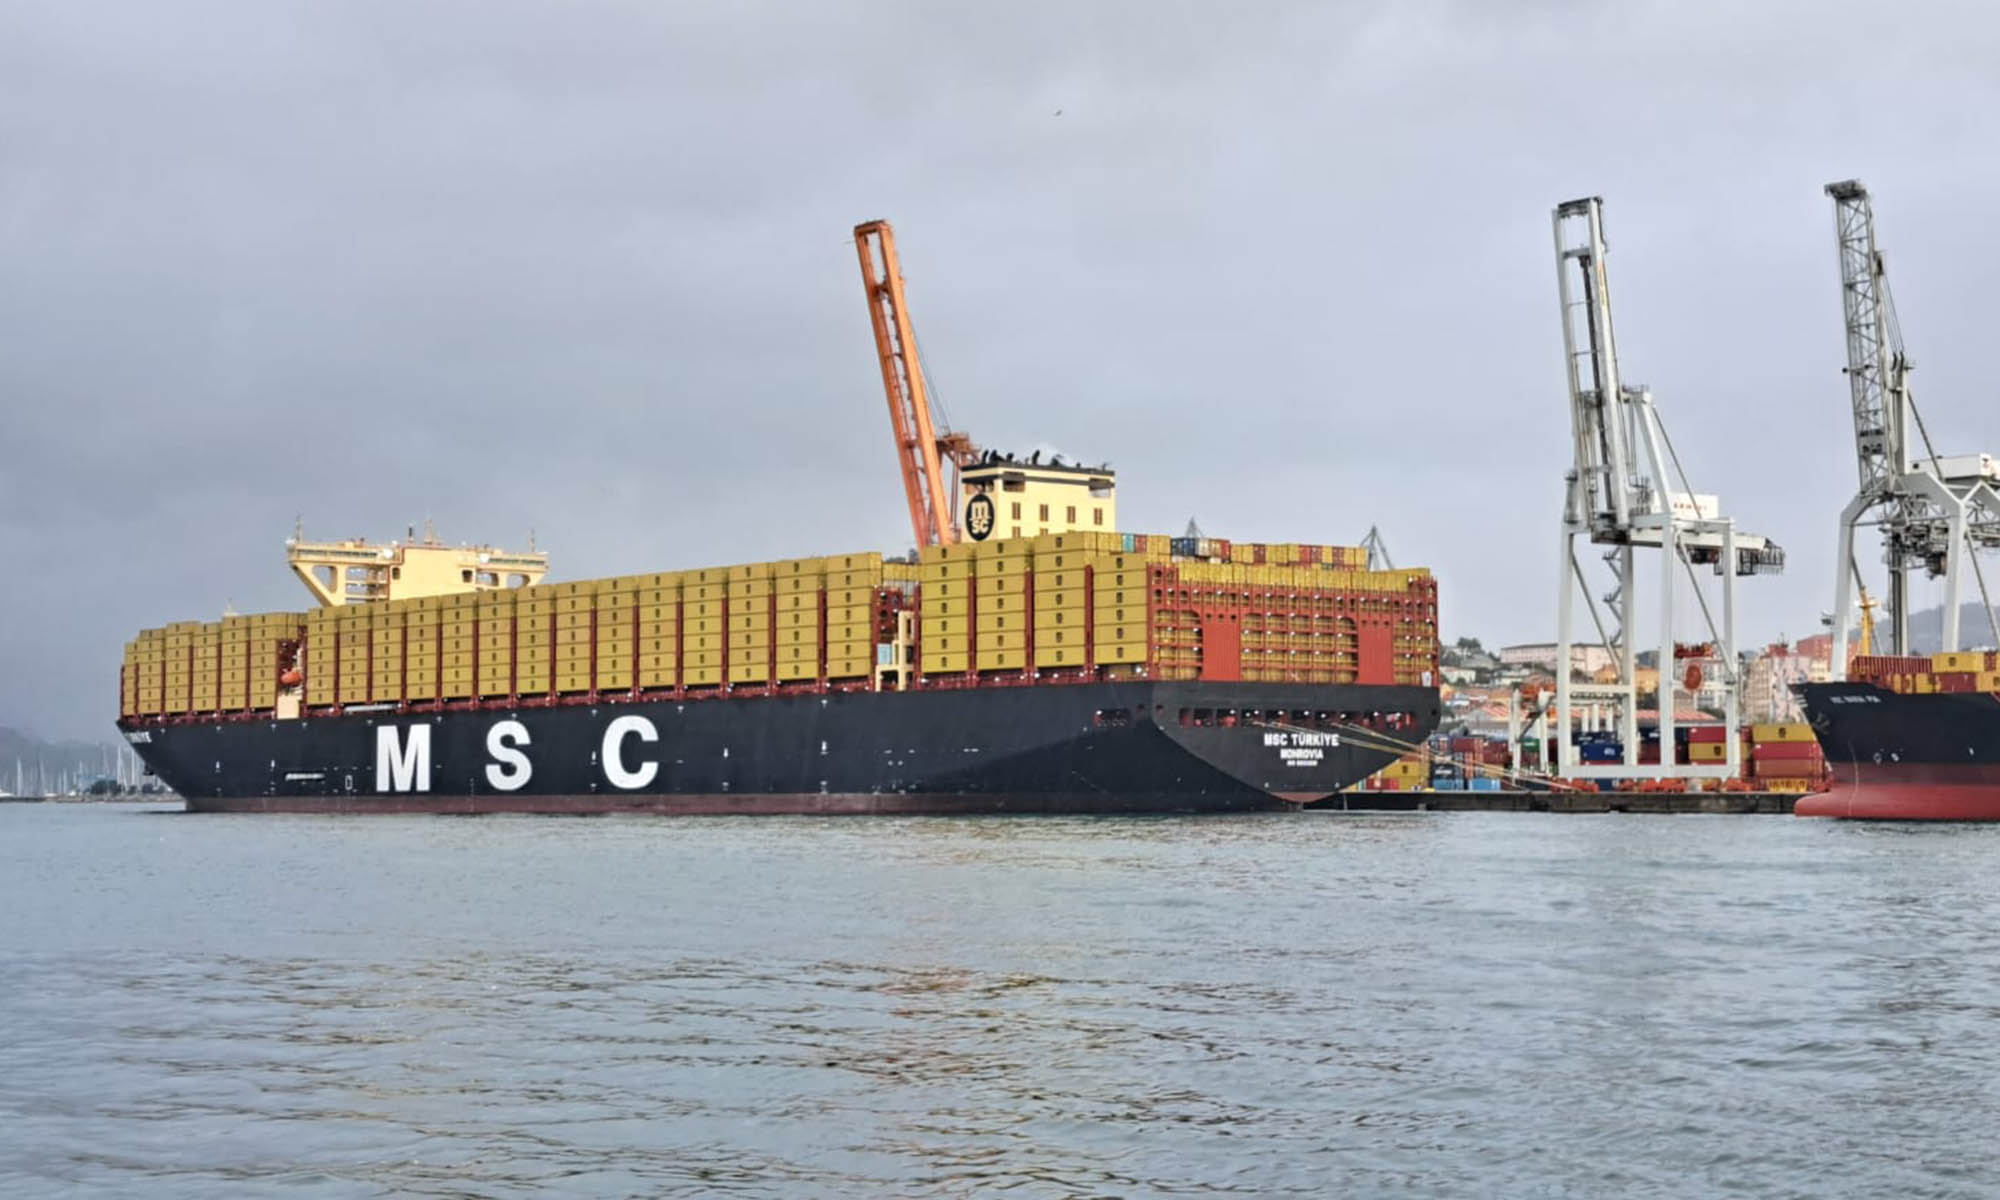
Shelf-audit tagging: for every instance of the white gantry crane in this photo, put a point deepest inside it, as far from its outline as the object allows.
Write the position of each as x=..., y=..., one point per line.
x=1627, y=492
x=1933, y=510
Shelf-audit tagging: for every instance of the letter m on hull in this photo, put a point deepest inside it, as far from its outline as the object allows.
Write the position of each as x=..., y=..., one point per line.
x=403, y=765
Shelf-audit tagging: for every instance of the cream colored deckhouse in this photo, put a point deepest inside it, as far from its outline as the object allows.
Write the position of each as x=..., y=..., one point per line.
x=357, y=571
x=1029, y=497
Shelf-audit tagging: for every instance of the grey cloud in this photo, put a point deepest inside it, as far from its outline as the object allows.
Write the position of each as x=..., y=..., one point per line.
x=585, y=269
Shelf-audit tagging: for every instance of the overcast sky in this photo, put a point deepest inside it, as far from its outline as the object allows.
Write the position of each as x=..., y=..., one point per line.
x=586, y=269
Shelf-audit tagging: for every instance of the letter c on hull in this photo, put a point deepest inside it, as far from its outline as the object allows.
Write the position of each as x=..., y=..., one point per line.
x=510, y=768
x=613, y=756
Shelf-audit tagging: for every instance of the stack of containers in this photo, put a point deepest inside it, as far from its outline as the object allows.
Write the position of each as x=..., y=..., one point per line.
x=1967, y=671
x=352, y=625
x=322, y=657
x=205, y=690
x=704, y=637
x=179, y=660
x=494, y=648
x=750, y=624
x=1120, y=611
x=128, y=679
x=657, y=630
x=1062, y=617
x=458, y=650
x=1785, y=757
x=274, y=640
x=575, y=635
x=1015, y=621
x=944, y=631
x=535, y=639
x=385, y=650
x=423, y=630
x=233, y=693
x=1707, y=744
x=617, y=635
x=1406, y=774
x=797, y=585
x=1001, y=570
x=852, y=581
x=150, y=696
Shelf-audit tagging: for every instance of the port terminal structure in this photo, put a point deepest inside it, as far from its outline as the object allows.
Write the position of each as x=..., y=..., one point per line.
x=1935, y=511
x=1627, y=491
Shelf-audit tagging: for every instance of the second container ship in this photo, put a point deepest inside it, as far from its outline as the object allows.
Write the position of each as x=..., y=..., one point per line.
x=1909, y=738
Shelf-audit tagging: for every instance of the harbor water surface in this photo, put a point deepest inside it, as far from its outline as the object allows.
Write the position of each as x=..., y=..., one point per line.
x=1421, y=1004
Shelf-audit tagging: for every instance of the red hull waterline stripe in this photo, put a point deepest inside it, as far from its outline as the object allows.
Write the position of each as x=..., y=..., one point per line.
x=1909, y=792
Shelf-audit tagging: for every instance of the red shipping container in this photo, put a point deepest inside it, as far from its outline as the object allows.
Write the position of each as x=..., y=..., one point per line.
x=1957, y=681
x=1708, y=733
x=1785, y=751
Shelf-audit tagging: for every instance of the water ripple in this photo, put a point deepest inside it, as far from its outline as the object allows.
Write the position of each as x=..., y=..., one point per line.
x=1411, y=1005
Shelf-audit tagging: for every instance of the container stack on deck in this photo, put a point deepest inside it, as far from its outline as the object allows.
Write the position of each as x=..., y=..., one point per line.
x=1916, y=675
x=1054, y=608
x=1785, y=757
x=232, y=665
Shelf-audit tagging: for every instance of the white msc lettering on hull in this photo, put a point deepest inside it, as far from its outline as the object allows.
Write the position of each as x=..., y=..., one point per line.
x=402, y=766
x=613, y=756
x=511, y=768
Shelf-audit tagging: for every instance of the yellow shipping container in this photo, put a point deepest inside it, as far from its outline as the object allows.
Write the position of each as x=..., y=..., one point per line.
x=657, y=671
x=1061, y=619
x=1135, y=631
x=948, y=589
x=1011, y=639
x=1793, y=732
x=1960, y=661
x=1008, y=585
x=1010, y=566
x=1048, y=655
x=959, y=606
x=953, y=553
x=933, y=662
x=1119, y=653
x=946, y=627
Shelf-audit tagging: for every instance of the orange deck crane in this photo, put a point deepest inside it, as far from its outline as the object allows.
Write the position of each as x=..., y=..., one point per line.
x=924, y=450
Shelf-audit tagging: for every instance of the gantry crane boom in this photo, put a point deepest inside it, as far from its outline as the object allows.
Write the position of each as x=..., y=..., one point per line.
x=1933, y=511
x=1626, y=490
x=922, y=449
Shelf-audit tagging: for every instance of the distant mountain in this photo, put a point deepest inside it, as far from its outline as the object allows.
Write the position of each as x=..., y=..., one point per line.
x=1927, y=630
x=36, y=755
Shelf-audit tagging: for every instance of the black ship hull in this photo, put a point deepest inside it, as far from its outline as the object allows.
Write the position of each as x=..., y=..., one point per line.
x=1124, y=747
x=1929, y=757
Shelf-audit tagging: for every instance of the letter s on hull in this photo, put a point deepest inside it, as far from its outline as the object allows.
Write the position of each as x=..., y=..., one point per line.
x=614, y=759
x=402, y=766
x=510, y=768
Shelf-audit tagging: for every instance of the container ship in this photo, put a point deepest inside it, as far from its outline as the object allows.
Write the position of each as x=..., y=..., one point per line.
x=1061, y=672
x=1909, y=738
